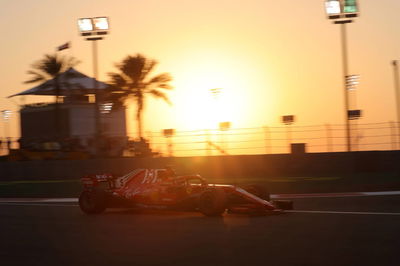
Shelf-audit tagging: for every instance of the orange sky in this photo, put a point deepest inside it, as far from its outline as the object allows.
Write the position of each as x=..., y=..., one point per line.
x=271, y=58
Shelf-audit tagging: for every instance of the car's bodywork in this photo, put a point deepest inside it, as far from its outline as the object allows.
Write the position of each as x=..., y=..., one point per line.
x=162, y=189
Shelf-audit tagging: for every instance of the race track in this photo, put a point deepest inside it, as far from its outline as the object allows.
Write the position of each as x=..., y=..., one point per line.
x=358, y=230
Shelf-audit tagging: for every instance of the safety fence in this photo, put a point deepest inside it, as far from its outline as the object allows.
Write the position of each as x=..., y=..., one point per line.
x=273, y=140
x=263, y=140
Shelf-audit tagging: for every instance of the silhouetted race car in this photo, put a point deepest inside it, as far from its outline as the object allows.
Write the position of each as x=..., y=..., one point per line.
x=162, y=189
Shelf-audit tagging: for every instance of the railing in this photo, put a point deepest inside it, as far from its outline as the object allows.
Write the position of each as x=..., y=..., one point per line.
x=272, y=140
x=266, y=140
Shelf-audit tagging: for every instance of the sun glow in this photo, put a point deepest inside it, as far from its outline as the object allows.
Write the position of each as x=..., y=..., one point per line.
x=214, y=85
x=213, y=98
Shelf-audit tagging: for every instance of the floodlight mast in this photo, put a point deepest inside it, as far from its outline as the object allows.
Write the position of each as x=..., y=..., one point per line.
x=288, y=120
x=93, y=29
x=395, y=64
x=340, y=11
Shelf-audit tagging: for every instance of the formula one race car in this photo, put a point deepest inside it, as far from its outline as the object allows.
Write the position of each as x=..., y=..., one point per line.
x=162, y=189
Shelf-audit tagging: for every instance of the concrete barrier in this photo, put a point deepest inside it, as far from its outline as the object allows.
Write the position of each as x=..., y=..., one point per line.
x=276, y=165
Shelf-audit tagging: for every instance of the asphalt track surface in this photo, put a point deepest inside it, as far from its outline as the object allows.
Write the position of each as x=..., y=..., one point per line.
x=359, y=230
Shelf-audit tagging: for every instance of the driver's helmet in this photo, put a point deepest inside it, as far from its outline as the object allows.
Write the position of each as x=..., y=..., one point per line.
x=167, y=173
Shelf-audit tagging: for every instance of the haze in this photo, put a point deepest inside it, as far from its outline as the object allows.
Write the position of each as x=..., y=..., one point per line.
x=271, y=58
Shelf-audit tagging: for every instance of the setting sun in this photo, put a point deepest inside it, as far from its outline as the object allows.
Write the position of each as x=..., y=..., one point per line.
x=221, y=85
x=212, y=100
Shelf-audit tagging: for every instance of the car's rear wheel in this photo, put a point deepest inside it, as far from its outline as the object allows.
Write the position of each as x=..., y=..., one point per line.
x=92, y=202
x=212, y=202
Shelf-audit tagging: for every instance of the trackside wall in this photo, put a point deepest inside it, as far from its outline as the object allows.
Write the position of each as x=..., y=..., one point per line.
x=275, y=165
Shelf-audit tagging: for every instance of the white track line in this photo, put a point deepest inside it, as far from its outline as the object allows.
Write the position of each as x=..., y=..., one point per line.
x=288, y=211
x=37, y=204
x=54, y=200
x=382, y=193
x=334, y=195
x=273, y=196
x=340, y=212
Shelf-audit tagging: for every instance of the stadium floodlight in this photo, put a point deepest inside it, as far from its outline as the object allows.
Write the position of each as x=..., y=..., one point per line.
x=336, y=9
x=340, y=11
x=332, y=8
x=89, y=27
x=350, y=6
x=100, y=23
x=93, y=26
x=85, y=25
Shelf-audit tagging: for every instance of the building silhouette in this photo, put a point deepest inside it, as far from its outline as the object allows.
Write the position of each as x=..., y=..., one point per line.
x=70, y=125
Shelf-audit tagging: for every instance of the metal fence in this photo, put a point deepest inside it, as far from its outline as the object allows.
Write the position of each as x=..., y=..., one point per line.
x=272, y=140
x=266, y=140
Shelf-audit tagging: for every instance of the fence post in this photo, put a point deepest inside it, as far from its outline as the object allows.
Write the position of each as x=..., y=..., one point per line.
x=267, y=139
x=208, y=142
x=393, y=138
x=355, y=135
x=328, y=138
x=289, y=136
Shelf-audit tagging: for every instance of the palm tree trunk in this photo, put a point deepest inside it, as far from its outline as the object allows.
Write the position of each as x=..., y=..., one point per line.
x=139, y=123
x=139, y=116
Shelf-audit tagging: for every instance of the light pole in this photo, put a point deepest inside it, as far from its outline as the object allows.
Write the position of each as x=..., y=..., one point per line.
x=340, y=11
x=93, y=29
x=397, y=90
x=215, y=93
x=267, y=139
x=353, y=114
x=168, y=134
x=223, y=127
x=288, y=120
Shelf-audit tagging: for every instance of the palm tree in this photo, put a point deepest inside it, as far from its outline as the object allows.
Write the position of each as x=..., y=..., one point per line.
x=49, y=68
x=133, y=81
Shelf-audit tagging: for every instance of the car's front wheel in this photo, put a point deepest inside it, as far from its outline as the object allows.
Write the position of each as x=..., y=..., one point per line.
x=92, y=202
x=212, y=202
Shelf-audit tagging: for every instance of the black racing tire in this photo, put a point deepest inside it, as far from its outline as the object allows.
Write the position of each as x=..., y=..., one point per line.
x=212, y=202
x=92, y=202
x=259, y=191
